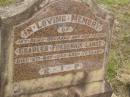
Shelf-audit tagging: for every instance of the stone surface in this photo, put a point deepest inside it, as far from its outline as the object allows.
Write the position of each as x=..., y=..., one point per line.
x=95, y=89
x=113, y=95
x=55, y=44
x=16, y=8
x=54, y=82
x=65, y=40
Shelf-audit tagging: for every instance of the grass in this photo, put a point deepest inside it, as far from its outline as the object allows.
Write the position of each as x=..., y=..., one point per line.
x=6, y=2
x=113, y=65
x=114, y=2
x=124, y=35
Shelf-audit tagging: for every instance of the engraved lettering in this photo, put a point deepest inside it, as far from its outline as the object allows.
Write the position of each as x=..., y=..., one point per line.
x=58, y=56
x=60, y=38
x=59, y=47
x=66, y=18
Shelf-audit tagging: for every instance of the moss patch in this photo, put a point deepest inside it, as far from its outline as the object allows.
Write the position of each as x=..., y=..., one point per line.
x=6, y=2
x=113, y=65
x=114, y=2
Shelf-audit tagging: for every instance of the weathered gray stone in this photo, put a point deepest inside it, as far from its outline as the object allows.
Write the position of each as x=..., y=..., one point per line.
x=16, y=8
x=89, y=81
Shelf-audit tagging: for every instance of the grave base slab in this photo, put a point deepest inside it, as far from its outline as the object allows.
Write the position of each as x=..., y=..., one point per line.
x=94, y=89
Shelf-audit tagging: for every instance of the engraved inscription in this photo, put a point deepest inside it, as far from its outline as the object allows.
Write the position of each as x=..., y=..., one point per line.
x=58, y=56
x=59, y=40
x=61, y=68
x=64, y=29
x=59, y=47
x=66, y=18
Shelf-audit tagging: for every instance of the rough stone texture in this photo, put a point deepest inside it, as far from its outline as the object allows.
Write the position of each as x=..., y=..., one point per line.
x=113, y=95
x=6, y=26
x=16, y=8
x=16, y=17
x=94, y=89
x=54, y=82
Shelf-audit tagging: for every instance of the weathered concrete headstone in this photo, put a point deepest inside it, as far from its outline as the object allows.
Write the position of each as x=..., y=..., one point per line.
x=65, y=43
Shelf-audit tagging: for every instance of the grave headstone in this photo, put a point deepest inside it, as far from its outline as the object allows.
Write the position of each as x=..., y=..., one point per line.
x=64, y=43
